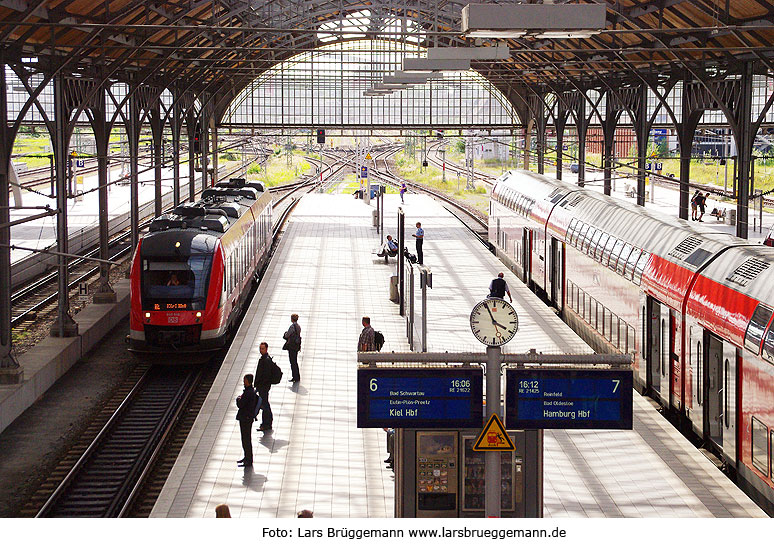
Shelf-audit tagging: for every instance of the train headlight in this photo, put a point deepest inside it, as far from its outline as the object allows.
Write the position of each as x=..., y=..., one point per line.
x=198, y=314
x=147, y=315
x=177, y=244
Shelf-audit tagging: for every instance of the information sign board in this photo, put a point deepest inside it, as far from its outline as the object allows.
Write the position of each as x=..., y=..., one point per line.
x=364, y=172
x=568, y=398
x=420, y=397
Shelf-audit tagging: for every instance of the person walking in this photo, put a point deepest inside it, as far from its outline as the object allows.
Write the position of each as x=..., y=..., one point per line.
x=367, y=341
x=292, y=346
x=498, y=288
x=402, y=191
x=694, y=205
x=263, y=384
x=701, y=201
x=246, y=403
x=420, y=237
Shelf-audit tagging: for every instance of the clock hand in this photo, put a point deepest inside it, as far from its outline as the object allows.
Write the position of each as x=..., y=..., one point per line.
x=490, y=313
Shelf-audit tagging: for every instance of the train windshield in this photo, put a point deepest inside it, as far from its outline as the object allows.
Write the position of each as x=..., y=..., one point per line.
x=175, y=283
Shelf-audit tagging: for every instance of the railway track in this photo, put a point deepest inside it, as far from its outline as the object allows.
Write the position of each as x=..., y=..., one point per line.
x=104, y=481
x=39, y=298
x=471, y=218
x=120, y=465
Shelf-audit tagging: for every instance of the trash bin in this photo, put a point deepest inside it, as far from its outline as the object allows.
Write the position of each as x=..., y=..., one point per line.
x=394, y=288
x=375, y=217
x=731, y=217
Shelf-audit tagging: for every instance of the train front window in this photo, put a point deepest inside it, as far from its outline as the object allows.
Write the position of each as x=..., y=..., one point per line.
x=175, y=283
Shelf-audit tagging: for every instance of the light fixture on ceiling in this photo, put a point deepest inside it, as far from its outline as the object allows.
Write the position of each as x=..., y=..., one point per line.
x=421, y=65
x=496, y=53
x=406, y=78
x=543, y=20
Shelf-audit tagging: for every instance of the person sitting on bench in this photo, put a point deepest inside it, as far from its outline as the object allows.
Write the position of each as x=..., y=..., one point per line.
x=389, y=248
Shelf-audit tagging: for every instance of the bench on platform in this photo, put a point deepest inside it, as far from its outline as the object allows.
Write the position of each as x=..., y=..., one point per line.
x=720, y=214
x=387, y=257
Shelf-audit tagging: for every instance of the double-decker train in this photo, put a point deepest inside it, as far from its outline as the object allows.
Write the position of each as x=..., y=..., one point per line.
x=694, y=308
x=192, y=272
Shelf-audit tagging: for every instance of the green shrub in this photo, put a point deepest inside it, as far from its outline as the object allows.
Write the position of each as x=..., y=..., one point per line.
x=254, y=168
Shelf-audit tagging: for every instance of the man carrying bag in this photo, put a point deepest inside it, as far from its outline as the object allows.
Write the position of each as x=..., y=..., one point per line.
x=292, y=346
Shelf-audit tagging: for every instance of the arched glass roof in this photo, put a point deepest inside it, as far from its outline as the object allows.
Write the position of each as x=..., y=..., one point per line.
x=325, y=88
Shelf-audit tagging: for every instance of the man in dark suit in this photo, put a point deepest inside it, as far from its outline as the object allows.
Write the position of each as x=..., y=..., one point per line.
x=246, y=403
x=263, y=384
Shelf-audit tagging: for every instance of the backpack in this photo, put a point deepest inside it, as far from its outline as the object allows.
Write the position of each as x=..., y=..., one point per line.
x=276, y=373
x=378, y=340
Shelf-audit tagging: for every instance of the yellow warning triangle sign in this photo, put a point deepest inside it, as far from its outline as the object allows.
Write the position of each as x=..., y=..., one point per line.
x=494, y=437
x=368, y=157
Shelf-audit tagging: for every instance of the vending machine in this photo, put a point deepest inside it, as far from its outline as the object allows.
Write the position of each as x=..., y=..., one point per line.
x=437, y=473
x=473, y=482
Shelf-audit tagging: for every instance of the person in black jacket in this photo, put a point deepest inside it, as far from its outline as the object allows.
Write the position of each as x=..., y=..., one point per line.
x=292, y=346
x=263, y=384
x=498, y=288
x=246, y=403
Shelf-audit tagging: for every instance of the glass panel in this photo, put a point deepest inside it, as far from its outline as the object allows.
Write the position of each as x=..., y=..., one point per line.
x=586, y=243
x=578, y=233
x=609, y=325
x=611, y=241
x=599, y=245
x=630, y=337
x=640, y=267
x=570, y=229
x=768, y=345
x=758, y=323
x=176, y=283
x=631, y=263
x=625, y=253
x=759, y=446
x=619, y=244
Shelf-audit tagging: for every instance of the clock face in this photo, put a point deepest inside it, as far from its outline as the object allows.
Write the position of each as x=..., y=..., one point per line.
x=494, y=322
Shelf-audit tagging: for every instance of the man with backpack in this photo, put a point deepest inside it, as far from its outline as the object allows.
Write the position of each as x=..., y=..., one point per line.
x=246, y=402
x=266, y=375
x=366, y=343
x=292, y=346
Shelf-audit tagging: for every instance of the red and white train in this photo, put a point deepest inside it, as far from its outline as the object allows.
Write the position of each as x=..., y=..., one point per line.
x=193, y=271
x=693, y=307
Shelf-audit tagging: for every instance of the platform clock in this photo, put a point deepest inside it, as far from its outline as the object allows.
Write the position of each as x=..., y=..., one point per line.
x=494, y=322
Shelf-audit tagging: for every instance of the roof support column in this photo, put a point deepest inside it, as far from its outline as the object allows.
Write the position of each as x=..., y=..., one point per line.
x=64, y=325
x=191, y=125
x=214, y=129
x=559, y=126
x=608, y=137
x=10, y=371
x=581, y=125
x=176, y=126
x=133, y=136
x=642, y=130
x=527, y=143
x=105, y=293
x=205, y=147
x=744, y=140
x=157, y=130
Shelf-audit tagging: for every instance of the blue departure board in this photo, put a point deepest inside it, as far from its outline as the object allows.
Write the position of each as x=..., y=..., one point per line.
x=568, y=399
x=420, y=398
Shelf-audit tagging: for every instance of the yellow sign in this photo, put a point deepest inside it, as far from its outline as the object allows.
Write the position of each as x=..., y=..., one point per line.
x=368, y=157
x=494, y=437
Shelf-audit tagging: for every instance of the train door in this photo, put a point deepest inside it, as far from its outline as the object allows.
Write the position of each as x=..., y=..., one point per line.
x=728, y=421
x=668, y=356
x=556, y=276
x=713, y=389
x=526, y=253
x=653, y=329
x=695, y=375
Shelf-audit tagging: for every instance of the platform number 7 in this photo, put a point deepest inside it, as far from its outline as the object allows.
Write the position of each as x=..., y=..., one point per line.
x=617, y=382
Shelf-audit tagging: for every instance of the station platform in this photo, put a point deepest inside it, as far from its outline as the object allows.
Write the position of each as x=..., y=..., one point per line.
x=317, y=459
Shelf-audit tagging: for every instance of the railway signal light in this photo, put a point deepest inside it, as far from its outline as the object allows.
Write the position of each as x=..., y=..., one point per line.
x=197, y=138
x=320, y=136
